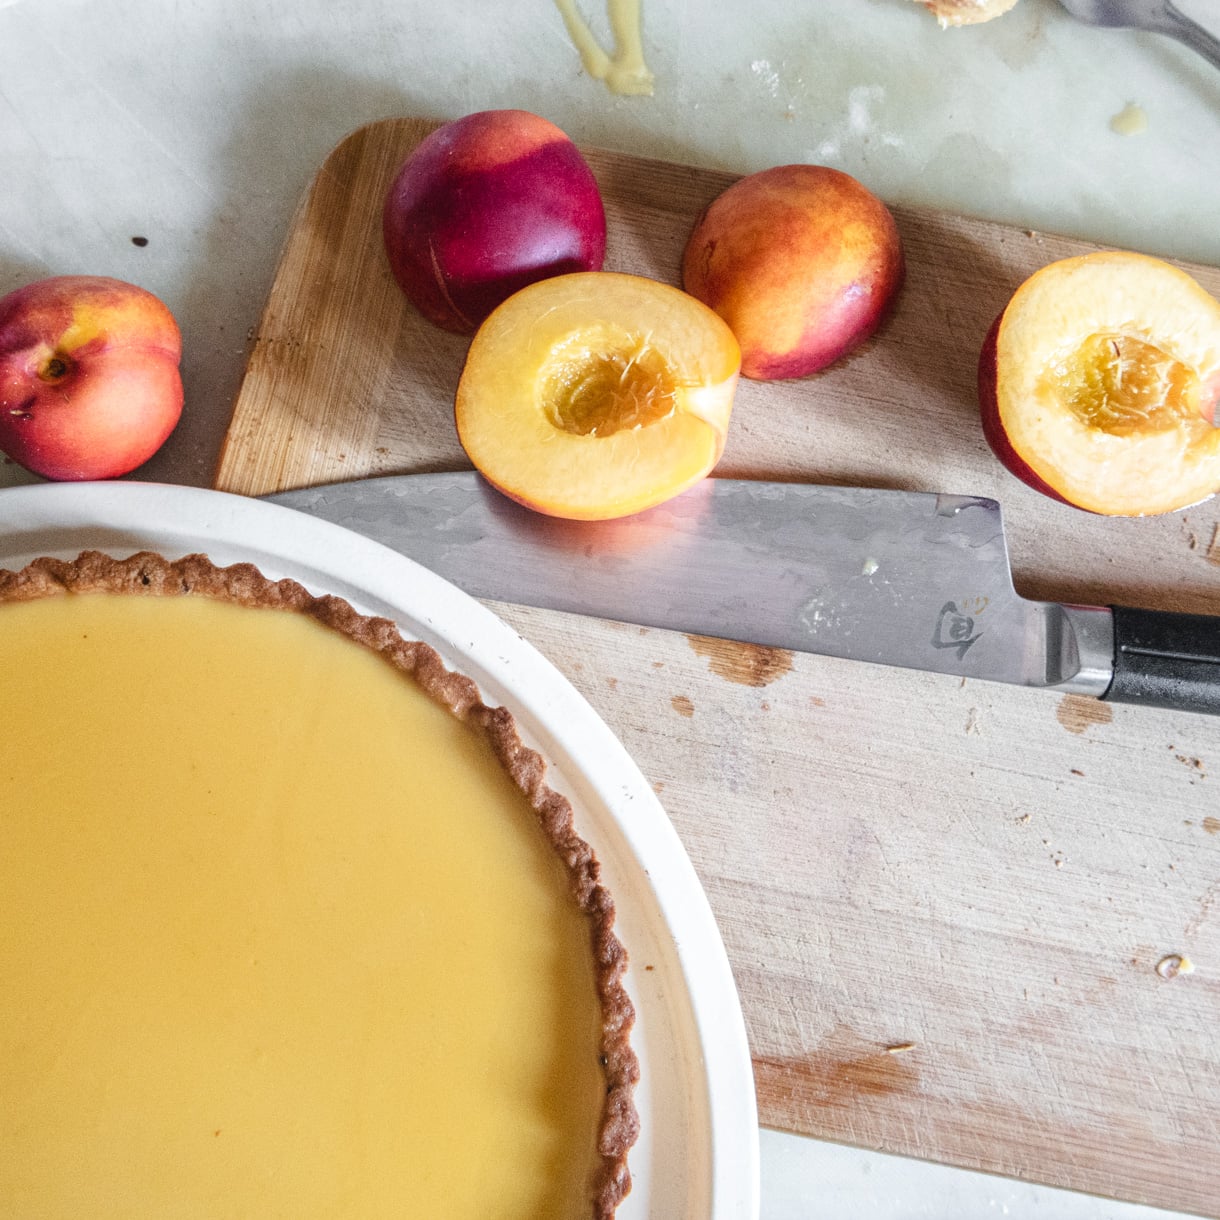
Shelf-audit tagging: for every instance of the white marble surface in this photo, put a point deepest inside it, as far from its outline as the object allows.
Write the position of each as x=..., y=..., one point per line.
x=197, y=124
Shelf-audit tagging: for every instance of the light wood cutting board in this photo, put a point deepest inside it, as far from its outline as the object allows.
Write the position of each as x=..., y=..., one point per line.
x=944, y=902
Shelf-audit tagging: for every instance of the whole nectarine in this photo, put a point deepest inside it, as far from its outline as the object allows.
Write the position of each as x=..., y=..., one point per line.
x=1098, y=385
x=89, y=381
x=801, y=261
x=484, y=206
x=595, y=395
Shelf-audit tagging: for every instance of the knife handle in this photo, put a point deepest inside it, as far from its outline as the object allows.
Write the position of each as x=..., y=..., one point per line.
x=1166, y=660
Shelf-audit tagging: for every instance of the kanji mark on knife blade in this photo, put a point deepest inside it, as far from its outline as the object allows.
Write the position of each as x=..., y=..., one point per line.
x=954, y=629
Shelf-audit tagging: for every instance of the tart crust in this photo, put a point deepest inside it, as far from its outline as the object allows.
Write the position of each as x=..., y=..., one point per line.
x=148, y=574
x=966, y=12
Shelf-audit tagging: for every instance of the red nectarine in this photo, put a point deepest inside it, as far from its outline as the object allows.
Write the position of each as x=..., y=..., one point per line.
x=1098, y=385
x=89, y=382
x=596, y=395
x=484, y=206
x=801, y=261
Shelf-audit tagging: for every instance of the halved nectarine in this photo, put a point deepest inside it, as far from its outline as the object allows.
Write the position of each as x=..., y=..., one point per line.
x=1098, y=385
x=595, y=395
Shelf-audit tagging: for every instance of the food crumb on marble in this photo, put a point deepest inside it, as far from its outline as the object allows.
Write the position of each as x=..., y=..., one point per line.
x=1131, y=120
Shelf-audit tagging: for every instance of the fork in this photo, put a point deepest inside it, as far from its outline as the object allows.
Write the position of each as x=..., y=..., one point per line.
x=1159, y=16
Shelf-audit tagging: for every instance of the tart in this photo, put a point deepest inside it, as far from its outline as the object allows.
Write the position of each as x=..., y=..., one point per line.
x=291, y=923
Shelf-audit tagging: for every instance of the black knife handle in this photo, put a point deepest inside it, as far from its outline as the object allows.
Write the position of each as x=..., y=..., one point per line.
x=1166, y=660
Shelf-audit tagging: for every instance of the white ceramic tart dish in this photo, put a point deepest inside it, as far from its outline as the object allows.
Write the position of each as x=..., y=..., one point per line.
x=696, y=1153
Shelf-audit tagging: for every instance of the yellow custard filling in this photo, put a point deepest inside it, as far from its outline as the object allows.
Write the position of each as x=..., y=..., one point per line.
x=278, y=936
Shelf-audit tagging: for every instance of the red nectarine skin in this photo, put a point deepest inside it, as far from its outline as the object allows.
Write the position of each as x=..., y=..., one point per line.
x=989, y=415
x=486, y=205
x=89, y=381
x=802, y=261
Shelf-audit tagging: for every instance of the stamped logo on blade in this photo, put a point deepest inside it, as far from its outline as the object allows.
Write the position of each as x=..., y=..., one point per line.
x=954, y=629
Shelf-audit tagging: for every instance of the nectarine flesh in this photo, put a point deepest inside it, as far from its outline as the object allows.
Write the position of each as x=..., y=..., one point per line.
x=802, y=262
x=596, y=395
x=1098, y=385
x=484, y=206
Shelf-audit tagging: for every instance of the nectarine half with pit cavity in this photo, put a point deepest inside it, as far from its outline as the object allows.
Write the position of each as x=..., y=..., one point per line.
x=596, y=395
x=801, y=261
x=485, y=205
x=1098, y=385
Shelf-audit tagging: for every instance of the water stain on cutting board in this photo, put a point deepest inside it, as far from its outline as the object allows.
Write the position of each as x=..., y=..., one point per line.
x=1077, y=712
x=842, y=1070
x=748, y=664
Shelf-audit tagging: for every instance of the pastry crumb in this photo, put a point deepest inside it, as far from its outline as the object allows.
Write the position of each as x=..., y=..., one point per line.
x=1173, y=964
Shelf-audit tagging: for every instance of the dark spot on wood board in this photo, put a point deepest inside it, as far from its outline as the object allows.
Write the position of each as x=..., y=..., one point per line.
x=1212, y=555
x=824, y=1080
x=142, y=242
x=1211, y=825
x=1077, y=712
x=844, y=1069
x=682, y=705
x=748, y=664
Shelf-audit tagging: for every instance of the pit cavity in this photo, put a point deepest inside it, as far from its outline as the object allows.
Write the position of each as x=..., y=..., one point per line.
x=597, y=384
x=1121, y=384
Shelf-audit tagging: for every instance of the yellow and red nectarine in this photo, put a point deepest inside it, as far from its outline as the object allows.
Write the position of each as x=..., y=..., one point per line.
x=89, y=381
x=595, y=395
x=801, y=261
x=1098, y=385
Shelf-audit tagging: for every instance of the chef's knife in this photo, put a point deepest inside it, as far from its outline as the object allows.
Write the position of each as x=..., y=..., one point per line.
x=911, y=579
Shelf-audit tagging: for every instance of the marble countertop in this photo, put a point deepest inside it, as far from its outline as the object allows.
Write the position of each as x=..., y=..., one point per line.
x=195, y=126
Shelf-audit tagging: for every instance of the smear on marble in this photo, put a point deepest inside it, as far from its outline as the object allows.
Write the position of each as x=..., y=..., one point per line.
x=1131, y=120
x=766, y=76
x=863, y=102
x=747, y=664
x=624, y=72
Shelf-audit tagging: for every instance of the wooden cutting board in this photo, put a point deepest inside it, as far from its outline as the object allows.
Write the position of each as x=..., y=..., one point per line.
x=945, y=902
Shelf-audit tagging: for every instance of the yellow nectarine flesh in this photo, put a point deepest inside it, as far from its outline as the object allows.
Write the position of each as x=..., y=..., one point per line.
x=595, y=395
x=1106, y=376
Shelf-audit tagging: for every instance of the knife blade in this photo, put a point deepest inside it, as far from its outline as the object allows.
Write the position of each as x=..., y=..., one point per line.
x=913, y=579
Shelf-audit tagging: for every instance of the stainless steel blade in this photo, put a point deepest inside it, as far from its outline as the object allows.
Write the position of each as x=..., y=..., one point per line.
x=911, y=579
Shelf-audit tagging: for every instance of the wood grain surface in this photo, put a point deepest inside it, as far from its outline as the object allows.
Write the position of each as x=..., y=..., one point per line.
x=945, y=902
